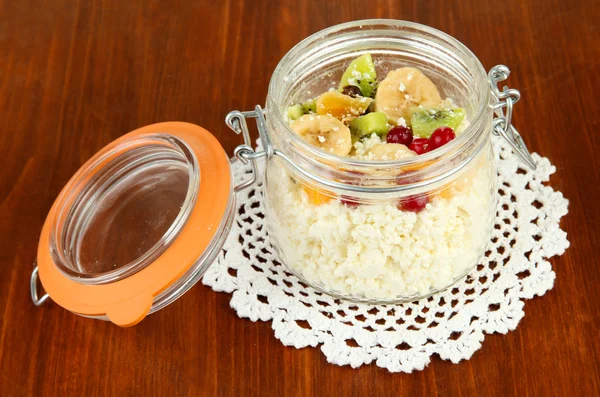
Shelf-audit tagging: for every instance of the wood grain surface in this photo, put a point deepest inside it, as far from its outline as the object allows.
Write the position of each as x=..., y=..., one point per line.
x=75, y=75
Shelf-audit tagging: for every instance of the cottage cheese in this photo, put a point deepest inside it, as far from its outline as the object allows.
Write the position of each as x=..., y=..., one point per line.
x=362, y=147
x=378, y=251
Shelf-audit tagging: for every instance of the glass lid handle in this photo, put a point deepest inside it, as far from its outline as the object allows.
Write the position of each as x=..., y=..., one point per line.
x=33, y=287
x=502, y=123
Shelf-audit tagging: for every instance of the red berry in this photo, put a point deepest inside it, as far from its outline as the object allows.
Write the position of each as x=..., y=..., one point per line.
x=413, y=203
x=400, y=134
x=440, y=137
x=349, y=202
x=419, y=145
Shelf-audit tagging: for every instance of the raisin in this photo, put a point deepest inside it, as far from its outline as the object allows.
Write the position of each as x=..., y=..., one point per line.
x=352, y=90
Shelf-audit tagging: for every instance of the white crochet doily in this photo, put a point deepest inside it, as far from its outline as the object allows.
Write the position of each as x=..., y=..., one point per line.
x=403, y=337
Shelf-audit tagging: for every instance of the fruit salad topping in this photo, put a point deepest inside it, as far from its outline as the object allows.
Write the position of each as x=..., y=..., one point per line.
x=405, y=110
x=399, y=117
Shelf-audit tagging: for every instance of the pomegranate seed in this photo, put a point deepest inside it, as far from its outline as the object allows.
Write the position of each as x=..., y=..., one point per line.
x=419, y=145
x=349, y=202
x=440, y=137
x=413, y=203
x=400, y=134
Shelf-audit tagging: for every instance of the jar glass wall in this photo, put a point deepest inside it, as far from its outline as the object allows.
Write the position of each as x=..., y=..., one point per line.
x=383, y=231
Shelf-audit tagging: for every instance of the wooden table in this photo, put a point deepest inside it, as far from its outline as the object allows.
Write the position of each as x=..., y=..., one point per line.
x=75, y=75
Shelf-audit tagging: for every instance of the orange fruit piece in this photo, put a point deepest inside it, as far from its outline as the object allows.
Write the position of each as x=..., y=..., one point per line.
x=315, y=197
x=342, y=107
x=461, y=183
x=447, y=193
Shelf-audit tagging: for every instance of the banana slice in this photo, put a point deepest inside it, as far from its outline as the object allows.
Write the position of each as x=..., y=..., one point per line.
x=403, y=89
x=325, y=132
x=390, y=151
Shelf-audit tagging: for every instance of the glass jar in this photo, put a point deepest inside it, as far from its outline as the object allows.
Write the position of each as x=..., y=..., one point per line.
x=388, y=231
x=142, y=220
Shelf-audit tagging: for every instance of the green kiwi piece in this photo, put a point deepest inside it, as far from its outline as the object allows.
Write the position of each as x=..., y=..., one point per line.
x=309, y=106
x=363, y=126
x=425, y=121
x=362, y=74
x=295, y=111
x=300, y=109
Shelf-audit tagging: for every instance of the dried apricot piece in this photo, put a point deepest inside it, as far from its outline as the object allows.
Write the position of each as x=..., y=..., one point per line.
x=342, y=107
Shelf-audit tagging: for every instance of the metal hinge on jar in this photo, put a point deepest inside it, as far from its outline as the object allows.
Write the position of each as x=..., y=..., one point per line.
x=502, y=124
x=245, y=153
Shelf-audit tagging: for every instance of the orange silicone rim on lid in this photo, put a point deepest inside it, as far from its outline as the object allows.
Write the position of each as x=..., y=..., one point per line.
x=126, y=302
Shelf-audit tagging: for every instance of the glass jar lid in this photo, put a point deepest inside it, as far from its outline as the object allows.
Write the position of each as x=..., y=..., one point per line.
x=136, y=218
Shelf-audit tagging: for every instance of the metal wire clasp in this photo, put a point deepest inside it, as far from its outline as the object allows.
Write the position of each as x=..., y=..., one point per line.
x=245, y=153
x=33, y=288
x=502, y=125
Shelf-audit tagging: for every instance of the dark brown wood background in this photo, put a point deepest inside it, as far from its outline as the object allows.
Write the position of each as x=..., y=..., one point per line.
x=74, y=75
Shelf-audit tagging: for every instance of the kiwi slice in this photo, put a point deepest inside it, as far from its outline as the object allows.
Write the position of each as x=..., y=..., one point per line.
x=425, y=121
x=309, y=106
x=300, y=109
x=362, y=74
x=295, y=111
x=363, y=126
